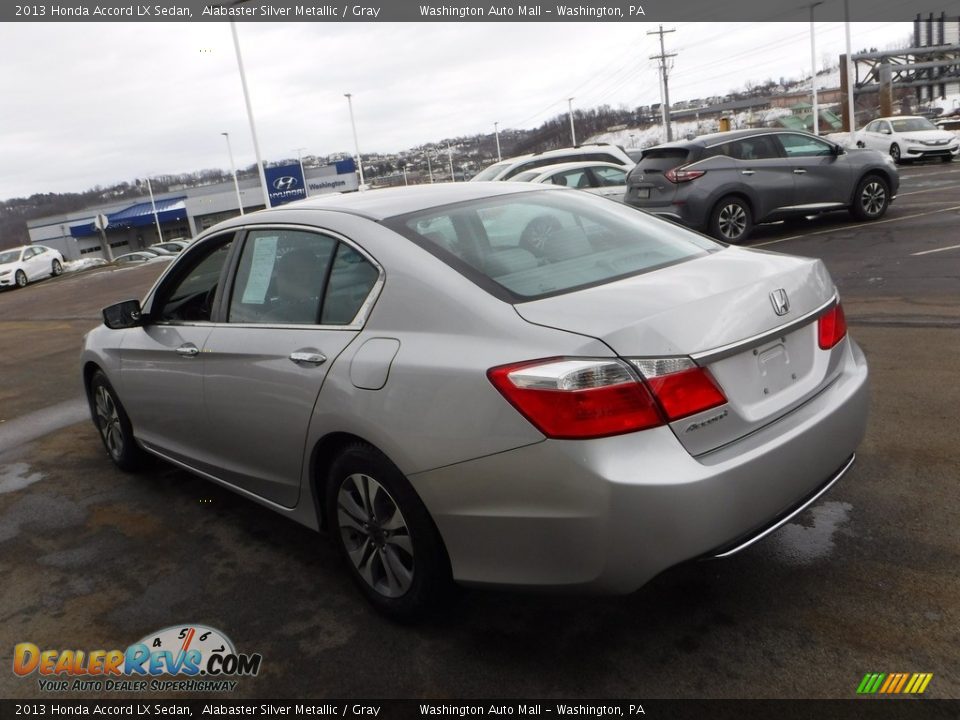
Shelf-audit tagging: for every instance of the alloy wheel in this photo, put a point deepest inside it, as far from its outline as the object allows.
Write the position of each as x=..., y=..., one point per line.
x=375, y=535
x=21, y=278
x=108, y=420
x=732, y=221
x=873, y=198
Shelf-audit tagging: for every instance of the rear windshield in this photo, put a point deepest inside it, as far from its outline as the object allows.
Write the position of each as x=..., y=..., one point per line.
x=491, y=172
x=530, y=245
x=677, y=154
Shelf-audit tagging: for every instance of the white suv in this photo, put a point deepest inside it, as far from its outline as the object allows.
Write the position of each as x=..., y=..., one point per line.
x=602, y=152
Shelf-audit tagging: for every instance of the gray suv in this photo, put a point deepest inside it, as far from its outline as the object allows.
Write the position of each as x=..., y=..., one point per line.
x=725, y=183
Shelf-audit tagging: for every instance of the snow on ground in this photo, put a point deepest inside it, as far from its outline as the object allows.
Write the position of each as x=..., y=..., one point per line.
x=82, y=264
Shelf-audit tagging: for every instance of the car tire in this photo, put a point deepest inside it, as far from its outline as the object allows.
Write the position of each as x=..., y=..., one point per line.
x=20, y=279
x=860, y=144
x=731, y=220
x=56, y=269
x=946, y=158
x=871, y=199
x=535, y=235
x=895, y=154
x=385, y=534
x=113, y=425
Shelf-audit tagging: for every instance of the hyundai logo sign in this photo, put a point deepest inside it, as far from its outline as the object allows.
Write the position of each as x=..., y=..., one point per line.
x=287, y=182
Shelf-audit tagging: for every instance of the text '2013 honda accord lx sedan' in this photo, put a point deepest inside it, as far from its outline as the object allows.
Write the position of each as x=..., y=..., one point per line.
x=488, y=383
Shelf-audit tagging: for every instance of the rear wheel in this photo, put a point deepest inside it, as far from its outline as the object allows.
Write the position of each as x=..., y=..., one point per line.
x=895, y=153
x=871, y=199
x=20, y=278
x=385, y=534
x=731, y=220
x=56, y=269
x=112, y=421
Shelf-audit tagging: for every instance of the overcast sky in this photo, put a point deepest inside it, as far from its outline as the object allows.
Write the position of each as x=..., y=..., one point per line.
x=88, y=104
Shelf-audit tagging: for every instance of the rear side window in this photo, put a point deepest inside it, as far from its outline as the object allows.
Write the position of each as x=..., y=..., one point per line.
x=530, y=245
x=295, y=277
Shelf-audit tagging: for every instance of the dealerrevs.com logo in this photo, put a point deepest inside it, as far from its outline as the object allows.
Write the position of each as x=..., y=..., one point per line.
x=201, y=659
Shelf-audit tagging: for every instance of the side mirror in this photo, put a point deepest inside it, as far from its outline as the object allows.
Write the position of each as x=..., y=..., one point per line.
x=887, y=131
x=126, y=314
x=838, y=150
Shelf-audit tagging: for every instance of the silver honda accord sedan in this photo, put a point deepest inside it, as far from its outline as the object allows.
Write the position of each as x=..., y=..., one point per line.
x=488, y=384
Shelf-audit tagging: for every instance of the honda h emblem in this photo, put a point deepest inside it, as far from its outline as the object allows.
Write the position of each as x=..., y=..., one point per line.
x=781, y=303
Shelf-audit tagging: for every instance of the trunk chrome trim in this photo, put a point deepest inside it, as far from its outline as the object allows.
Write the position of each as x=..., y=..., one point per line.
x=793, y=513
x=725, y=351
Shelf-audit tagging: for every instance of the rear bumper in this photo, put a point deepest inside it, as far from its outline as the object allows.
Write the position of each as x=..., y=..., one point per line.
x=608, y=515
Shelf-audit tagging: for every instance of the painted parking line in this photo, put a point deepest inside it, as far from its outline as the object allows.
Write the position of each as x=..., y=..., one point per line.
x=928, y=252
x=933, y=189
x=858, y=225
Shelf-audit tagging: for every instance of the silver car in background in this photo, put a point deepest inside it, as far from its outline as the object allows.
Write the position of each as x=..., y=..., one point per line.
x=725, y=183
x=490, y=383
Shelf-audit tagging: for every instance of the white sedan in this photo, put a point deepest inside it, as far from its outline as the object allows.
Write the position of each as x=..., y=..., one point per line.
x=26, y=263
x=600, y=178
x=141, y=256
x=909, y=137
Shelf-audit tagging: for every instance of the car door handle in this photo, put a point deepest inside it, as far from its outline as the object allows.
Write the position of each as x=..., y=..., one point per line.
x=308, y=358
x=798, y=171
x=188, y=350
x=748, y=172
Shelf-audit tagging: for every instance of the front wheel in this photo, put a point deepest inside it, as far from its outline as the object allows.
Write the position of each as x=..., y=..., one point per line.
x=731, y=220
x=385, y=534
x=20, y=278
x=114, y=426
x=56, y=269
x=871, y=199
x=895, y=153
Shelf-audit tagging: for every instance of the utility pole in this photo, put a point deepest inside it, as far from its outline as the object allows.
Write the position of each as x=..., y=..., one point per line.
x=664, y=71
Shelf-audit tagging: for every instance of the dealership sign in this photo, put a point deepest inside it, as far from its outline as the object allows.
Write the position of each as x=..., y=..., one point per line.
x=285, y=184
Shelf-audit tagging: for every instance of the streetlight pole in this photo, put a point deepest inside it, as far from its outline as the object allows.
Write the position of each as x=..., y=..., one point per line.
x=356, y=144
x=851, y=111
x=303, y=173
x=156, y=218
x=429, y=168
x=233, y=169
x=573, y=133
x=253, y=126
x=813, y=72
x=453, y=178
x=496, y=131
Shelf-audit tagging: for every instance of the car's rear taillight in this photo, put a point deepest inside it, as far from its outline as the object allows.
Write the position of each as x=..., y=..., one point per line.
x=587, y=398
x=576, y=399
x=679, y=175
x=832, y=327
x=680, y=386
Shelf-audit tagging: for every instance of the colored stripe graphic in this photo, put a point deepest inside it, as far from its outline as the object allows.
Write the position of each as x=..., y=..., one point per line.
x=894, y=683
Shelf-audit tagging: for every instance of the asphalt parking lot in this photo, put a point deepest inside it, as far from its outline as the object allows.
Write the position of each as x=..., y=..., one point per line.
x=864, y=581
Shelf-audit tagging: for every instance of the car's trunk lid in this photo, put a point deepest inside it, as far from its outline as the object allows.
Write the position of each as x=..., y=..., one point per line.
x=646, y=184
x=721, y=310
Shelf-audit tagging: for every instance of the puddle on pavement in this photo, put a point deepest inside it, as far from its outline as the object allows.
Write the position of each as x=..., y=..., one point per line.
x=39, y=513
x=804, y=544
x=17, y=476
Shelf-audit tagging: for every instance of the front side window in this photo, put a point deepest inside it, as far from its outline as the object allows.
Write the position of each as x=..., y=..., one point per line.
x=804, y=146
x=535, y=244
x=189, y=294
